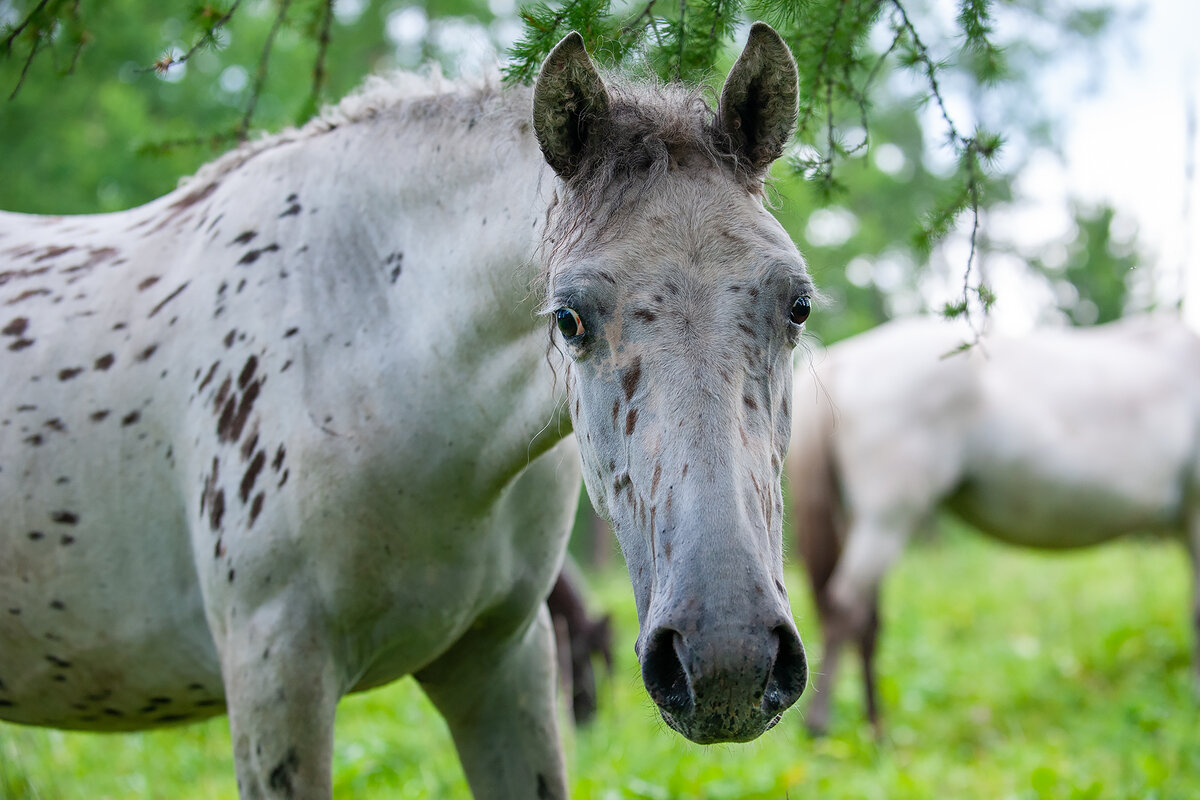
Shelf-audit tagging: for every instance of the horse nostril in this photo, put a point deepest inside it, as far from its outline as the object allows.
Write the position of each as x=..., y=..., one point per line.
x=789, y=674
x=663, y=673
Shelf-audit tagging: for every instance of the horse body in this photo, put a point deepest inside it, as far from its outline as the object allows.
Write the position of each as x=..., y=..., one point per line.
x=296, y=429
x=217, y=364
x=1063, y=439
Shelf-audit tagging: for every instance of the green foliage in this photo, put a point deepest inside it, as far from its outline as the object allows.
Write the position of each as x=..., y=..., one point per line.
x=1094, y=270
x=1003, y=674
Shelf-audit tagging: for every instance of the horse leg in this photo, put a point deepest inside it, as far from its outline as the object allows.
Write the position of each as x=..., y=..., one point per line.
x=498, y=698
x=1193, y=541
x=281, y=690
x=834, y=633
x=868, y=638
x=852, y=596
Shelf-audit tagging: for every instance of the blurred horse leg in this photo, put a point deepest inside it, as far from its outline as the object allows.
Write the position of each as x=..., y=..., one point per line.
x=1193, y=542
x=868, y=638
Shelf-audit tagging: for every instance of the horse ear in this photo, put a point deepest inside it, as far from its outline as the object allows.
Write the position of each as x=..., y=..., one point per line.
x=568, y=99
x=759, y=107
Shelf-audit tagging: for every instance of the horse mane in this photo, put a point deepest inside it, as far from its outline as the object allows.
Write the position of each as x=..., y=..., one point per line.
x=409, y=95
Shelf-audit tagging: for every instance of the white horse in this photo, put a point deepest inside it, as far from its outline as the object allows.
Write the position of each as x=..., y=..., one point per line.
x=1061, y=439
x=298, y=428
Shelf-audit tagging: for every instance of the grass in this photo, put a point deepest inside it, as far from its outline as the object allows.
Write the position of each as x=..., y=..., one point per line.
x=1005, y=674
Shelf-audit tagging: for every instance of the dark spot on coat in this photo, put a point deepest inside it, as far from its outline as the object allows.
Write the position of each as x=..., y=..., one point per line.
x=58, y=605
x=212, y=371
x=645, y=314
x=657, y=476
x=229, y=337
x=750, y=404
x=257, y=506
x=277, y=462
x=290, y=332
x=61, y=663
x=16, y=327
x=746, y=329
x=178, y=290
x=56, y=424
x=630, y=421
x=66, y=540
x=54, y=252
x=147, y=283
x=247, y=372
x=631, y=378
x=280, y=778
x=104, y=362
x=249, y=446
x=223, y=392
x=98, y=416
x=233, y=420
x=20, y=344
x=69, y=373
x=217, y=510
x=291, y=211
x=244, y=237
x=36, y=536
x=35, y=440
x=65, y=517
x=25, y=295
x=131, y=418
x=251, y=256
x=251, y=475
x=145, y=354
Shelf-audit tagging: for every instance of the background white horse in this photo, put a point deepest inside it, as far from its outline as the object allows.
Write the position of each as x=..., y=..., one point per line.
x=1061, y=439
x=291, y=431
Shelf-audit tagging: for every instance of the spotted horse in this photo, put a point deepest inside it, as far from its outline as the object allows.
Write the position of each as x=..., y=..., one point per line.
x=302, y=427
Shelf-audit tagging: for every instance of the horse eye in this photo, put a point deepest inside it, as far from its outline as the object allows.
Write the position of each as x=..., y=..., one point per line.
x=569, y=323
x=801, y=308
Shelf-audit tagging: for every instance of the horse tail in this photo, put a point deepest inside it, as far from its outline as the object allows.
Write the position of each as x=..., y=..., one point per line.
x=816, y=498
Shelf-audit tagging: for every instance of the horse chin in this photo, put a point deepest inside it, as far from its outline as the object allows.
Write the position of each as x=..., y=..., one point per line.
x=717, y=728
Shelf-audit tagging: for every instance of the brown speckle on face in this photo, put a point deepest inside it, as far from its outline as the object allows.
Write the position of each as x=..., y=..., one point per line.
x=20, y=344
x=147, y=283
x=630, y=421
x=145, y=354
x=104, y=362
x=69, y=373
x=131, y=418
x=98, y=416
x=631, y=378
x=244, y=237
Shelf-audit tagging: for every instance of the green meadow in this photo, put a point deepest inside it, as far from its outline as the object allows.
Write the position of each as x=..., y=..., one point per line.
x=1005, y=674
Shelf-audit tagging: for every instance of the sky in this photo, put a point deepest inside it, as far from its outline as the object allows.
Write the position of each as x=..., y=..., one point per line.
x=1127, y=140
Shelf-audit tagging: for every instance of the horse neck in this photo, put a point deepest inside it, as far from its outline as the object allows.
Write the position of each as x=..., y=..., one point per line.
x=441, y=211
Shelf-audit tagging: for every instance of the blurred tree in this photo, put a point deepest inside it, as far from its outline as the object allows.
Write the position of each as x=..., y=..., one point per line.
x=1092, y=271
x=878, y=80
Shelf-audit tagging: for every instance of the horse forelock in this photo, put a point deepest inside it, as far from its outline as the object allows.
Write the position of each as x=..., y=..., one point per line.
x=646, y=130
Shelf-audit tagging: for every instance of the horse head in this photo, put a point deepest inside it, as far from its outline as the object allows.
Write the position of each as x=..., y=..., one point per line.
x=677, y=300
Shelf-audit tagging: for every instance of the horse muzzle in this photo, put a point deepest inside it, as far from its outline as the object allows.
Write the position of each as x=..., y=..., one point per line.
x=727, y=685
